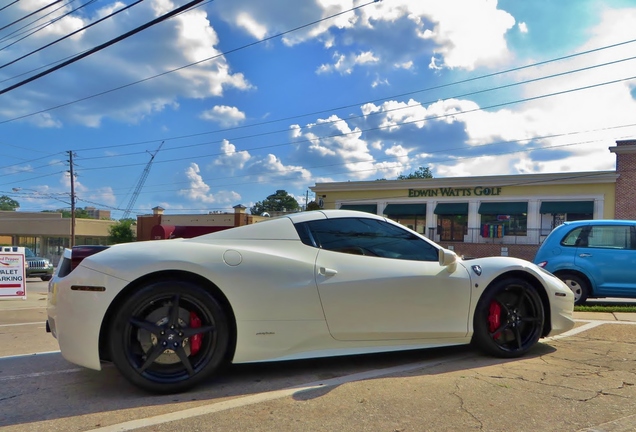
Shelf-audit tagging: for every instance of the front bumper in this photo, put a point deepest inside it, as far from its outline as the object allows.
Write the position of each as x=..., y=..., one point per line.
x=75, y=317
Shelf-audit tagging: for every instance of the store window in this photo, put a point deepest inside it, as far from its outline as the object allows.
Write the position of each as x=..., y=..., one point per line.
x=452, y=221
x=499, y=219
x=412, y=216
x=554, y=213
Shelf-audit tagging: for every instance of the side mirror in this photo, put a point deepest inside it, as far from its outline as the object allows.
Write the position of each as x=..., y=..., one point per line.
x=447, y=257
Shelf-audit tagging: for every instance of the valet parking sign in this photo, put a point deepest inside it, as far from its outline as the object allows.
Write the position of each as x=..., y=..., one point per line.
x=12, y=273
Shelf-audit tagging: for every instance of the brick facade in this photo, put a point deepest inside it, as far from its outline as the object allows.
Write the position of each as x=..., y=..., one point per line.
x=625, y=151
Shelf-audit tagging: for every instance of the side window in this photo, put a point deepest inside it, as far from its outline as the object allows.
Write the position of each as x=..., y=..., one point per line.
x=370, y=237
x=575, y=238
x=610, y=237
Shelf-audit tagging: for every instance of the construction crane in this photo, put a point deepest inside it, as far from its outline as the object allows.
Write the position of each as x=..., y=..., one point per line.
x=140, y=183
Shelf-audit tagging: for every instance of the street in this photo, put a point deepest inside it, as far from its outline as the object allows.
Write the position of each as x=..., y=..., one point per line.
x=581, y=382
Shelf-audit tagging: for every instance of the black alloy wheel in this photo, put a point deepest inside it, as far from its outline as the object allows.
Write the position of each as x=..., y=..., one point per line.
x=169, y=336
x=509, y=319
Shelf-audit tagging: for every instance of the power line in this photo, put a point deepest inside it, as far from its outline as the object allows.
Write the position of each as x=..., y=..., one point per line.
x=423, y=119
x=12, y=3
x=327, y=123
x=102, y=46
x=188, y=65
x=31, y=14
x=525, y=150
x=42, y=27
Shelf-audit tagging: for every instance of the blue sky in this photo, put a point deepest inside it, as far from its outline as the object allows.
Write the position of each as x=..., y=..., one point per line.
x=465, y=87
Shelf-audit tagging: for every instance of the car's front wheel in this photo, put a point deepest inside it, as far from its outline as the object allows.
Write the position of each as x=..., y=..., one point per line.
x=508, y=319
x=169, y=336
x=46, y=278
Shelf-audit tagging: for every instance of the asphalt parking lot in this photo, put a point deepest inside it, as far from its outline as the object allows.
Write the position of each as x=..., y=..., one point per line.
x=584, y=381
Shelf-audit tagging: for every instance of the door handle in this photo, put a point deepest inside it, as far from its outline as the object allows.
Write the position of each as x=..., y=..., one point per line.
x=585, y=255
x=327, y=271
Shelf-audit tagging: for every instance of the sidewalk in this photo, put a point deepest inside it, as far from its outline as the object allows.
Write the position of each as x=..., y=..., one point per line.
x=606, y=316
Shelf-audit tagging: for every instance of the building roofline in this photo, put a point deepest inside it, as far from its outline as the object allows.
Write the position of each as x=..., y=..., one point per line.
x=496, y=180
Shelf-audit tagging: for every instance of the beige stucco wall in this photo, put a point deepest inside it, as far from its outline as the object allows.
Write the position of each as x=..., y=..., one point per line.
x=600, y=187
x=224, y=219
x=50, y=224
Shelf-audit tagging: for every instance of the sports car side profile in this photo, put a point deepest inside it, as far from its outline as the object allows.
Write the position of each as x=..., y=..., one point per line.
x=169, y=313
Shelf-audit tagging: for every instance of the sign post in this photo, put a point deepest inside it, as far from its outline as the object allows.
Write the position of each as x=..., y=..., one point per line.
x=12, y=273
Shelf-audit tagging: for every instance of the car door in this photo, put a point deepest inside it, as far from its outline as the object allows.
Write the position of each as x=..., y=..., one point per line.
x=379, y=281
x=607, y=254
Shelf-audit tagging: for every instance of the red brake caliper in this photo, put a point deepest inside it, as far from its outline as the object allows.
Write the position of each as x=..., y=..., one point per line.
x=494, y=317
x=195, y=341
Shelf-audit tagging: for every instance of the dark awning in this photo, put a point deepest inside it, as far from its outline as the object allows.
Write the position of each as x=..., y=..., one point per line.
x=451, y=209
x=369, y=208
x=555, y=207
x=503, y=208
x=405, y=210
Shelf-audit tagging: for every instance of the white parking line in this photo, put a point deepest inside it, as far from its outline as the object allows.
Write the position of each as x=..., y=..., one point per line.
x=42, y=323
x=268, y=396
x=39, y=374
x=621, y=425
x=28, y=355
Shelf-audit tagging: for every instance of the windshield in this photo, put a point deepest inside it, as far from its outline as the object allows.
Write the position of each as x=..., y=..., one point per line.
x=28, y=253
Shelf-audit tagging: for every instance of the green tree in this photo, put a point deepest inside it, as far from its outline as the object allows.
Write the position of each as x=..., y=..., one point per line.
x=278, y=201
x=80, y=213
x=8, y=204
x=421, y=172
x=313, y=205
x=121, y=232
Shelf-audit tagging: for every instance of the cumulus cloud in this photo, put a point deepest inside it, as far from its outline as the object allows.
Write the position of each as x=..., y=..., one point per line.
x=200, y=191
x=466, y=33
x=225, y=115
x=232, y=159
x=344, y=64
x=185, y=39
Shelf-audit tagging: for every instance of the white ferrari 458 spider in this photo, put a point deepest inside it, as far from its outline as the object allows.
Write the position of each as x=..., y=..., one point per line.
x=169, y=313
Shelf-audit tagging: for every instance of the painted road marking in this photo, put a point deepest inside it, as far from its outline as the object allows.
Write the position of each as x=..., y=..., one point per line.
x=40, y=374
x=268, y=396
x=42, y=323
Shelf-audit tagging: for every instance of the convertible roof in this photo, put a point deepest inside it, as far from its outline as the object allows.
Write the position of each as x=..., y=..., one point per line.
x=282, y=227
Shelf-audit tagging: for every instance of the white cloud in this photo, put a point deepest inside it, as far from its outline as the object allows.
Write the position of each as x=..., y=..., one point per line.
x=523, y=27
x=200, y=191
x=344, y=64
x=248, y=23
x=232, y=159
x=186, y=38
x=467, y=33
x=271, y=169
x=225, y=115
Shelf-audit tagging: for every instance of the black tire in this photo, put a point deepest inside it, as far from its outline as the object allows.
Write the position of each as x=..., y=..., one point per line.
x=152, y=342
x=579, y=286
x=46, y=278
x=508, y=319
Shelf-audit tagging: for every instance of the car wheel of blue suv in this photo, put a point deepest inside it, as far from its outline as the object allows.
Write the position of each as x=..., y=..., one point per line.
x=578, y=285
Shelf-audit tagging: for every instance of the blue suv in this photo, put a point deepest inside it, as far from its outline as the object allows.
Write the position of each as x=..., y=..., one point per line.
x=595, y=258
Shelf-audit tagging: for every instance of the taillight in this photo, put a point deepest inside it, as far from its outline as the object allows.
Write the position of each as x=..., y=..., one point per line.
x=81, y=252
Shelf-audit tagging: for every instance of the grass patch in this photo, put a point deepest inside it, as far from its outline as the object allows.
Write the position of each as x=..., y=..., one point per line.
x=606, y=308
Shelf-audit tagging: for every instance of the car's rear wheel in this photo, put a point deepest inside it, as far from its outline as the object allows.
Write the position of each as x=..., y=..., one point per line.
x=508, y=319
x=578, y=285
x=46, y=278
x=168, y=336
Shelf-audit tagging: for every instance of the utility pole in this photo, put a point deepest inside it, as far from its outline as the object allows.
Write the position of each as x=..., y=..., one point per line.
x=70, y=161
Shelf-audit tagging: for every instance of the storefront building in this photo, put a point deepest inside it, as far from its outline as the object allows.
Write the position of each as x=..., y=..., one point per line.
x=494, y=215
x=47, y=234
